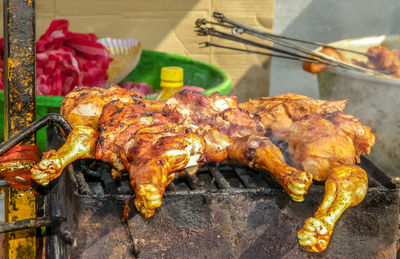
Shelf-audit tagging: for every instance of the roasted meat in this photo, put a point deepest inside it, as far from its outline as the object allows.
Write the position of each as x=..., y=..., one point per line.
x=155, y=141
x=243, y=133
x=385, y=59
x=381, y=59
x=277, y=113
x=315, y=68
x=325, y=142
x=119, y=127
x=149, y=146
x=318, y=146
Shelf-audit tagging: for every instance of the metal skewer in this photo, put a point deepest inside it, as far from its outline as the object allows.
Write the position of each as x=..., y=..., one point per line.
x=241, y=27
x=31, y=223
x=200, y=22
x=324, y=45
x=219, y=34
x=210, y=44
x=238, y=29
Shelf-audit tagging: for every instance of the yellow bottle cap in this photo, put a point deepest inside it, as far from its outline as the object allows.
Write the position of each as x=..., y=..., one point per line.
x=171, y=77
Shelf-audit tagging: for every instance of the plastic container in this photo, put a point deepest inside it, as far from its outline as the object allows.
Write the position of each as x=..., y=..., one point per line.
x=171, y=82
x=200, y=74
x=126, y=55
x=207, y=76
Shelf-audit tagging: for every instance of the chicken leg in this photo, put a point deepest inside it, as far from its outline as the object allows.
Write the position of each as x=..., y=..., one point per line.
x=168, y=155
x=80, y=143
x=260, y=152
x=346, y=187
x=82, y=108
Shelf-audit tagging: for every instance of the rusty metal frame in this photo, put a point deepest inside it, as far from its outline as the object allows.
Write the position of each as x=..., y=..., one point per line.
x=19, y=112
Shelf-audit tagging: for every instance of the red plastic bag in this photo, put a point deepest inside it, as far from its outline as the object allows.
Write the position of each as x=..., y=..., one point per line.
x=66, y=59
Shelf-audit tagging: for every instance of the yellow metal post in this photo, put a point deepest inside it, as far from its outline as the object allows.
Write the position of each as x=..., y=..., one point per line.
x=19, y=112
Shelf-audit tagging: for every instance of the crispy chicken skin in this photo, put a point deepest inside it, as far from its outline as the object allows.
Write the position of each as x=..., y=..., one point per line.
x=277, y=113
x=327, y=143
x=362, y=137
x=155, y=141
x=149, y=146
x=119, y=127
x=243, y=133
x=82, y=109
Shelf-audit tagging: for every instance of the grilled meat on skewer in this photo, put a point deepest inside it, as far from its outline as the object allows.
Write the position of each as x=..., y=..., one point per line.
x=380, y=58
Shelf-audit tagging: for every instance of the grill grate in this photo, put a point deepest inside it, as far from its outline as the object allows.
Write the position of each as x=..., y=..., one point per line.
x=224, y=211
x=94, y=177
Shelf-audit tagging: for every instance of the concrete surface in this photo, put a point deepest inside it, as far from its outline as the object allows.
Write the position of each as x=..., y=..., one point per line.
x=325, y=21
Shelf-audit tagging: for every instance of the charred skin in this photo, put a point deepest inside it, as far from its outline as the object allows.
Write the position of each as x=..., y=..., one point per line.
x=235, y=134
x=277, y=113
x=363, y=138
x=148, y=145
x=170, y=154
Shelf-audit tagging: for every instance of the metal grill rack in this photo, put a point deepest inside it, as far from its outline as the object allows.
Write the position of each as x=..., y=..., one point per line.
x=224, y=211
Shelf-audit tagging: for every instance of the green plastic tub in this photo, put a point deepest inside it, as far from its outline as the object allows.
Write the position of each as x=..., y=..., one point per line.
x=196, y=73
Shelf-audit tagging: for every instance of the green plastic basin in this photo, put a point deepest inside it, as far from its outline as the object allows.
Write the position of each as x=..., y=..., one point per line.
x=195, y=73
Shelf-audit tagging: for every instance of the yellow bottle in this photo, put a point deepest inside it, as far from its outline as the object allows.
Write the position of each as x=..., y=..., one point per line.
x=171, y=82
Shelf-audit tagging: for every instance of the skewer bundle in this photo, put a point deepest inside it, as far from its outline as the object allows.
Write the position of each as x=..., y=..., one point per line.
x=285, y=47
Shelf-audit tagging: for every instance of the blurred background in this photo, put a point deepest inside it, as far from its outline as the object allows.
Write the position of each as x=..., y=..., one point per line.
x=325, y=21
x=168, y=26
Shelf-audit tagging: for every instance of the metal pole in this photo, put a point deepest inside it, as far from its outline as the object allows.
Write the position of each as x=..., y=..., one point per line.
x=19, y=112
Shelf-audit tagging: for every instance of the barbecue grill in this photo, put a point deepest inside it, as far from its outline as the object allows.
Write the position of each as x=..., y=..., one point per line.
x=225, y=211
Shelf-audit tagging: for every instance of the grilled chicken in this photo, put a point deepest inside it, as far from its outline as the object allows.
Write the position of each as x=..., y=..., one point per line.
x=320, y=147
x=315, y=68
x=119, y=127
x=243, y=132
x=132, y=134
x=385, y=59
x=327, y=143
x=381, y=59
x=82, y=109
x=149, y=146
x=277, y=113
